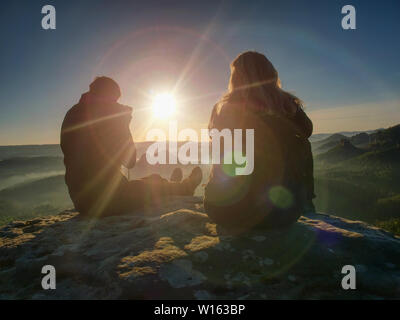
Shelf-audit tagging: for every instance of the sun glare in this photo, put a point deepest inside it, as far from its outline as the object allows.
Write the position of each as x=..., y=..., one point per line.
x=164, y=105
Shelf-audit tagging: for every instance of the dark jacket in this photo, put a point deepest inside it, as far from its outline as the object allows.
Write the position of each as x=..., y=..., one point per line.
x=96, y=141
x=282, y=161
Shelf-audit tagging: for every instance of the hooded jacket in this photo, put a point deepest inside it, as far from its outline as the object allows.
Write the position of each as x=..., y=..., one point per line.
x=96, y=141
x=282, y=159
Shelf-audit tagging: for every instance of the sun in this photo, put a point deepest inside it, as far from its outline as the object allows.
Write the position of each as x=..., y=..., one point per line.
x=164, y=105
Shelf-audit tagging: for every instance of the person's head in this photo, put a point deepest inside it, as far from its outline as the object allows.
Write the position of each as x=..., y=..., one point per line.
x=252, y=69
x=254, y=79
x=105, y=88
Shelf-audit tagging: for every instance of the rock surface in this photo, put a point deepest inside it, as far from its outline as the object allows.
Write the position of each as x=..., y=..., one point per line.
x=178, y=253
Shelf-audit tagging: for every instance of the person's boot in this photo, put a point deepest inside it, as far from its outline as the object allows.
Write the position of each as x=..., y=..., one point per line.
x=190, y=184
x=176, y=175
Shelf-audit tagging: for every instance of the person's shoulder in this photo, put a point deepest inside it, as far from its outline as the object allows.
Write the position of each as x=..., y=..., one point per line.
x=114, y=109
x=72, y=111
x=123, y=108
x=71, y=118
x=228, y=107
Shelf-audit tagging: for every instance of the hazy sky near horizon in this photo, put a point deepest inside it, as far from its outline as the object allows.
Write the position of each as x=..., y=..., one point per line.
x=348, y=79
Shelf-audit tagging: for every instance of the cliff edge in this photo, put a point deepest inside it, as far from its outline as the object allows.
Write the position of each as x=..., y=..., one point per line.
x=177, y=253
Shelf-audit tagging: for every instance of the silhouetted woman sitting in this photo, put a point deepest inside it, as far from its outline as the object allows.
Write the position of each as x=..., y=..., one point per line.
x=281, y=186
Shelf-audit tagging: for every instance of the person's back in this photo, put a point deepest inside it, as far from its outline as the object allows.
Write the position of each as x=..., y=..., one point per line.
x=95, y=140
x=281, y=185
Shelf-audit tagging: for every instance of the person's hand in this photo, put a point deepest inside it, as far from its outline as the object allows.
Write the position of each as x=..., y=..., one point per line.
x=124, y=171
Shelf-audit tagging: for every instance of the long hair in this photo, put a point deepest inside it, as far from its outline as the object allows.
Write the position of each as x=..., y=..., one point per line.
x=255, y=82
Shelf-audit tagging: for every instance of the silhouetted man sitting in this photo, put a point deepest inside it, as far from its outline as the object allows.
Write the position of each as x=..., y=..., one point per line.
x=96, y=141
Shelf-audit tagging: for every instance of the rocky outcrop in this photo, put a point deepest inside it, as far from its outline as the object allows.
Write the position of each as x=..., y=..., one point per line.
x=178, y=253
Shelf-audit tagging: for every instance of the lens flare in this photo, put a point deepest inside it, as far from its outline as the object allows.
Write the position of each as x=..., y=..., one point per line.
x=164, y=105
x=281, y=197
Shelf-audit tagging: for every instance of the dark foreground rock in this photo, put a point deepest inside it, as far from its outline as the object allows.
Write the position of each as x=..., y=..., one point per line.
x=177, y=253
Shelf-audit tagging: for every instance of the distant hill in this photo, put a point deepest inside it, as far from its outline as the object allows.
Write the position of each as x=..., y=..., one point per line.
x=369, y=139
x=327, y=143
x=353, y=133
x=21, y=165
x=342, y=151
x=361, y=140
x=380, y=169
x=377, y=161
x=362, y=176
x=50, y=189
x=320, y=136
x=24, y=169
x=45, y=150
x=386, y=138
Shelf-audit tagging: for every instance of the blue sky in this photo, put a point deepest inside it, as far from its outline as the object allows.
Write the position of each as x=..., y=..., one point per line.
x=348, y=80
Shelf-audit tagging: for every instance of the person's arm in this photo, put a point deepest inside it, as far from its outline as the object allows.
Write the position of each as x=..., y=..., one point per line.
x=303, y=122
x=224, y=118
x=129, y=156
x=213, y=119
x=119, y=140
